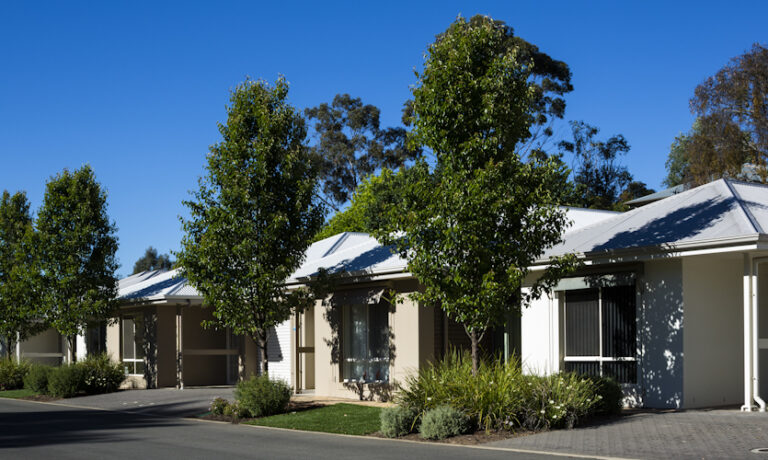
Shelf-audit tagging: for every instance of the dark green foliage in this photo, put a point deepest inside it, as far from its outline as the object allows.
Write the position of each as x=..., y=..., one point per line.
x=12, y=374
x=100, y=374
x=260, y=396
x=19, y=313
x=443, y=422
x=218, y=406
x=499, y=396
x=351, y=145
x=678, y=163
x=75, y=246
x=151, y=261
x=66, y=381
x=354, y=218
x=611, y=396
x=37, y=378
x=398, y=421
x=253, y=216
x=598, y=176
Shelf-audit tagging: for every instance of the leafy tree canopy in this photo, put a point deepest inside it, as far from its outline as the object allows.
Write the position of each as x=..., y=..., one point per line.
x=598, y=176
x=354, y=217
x=76, y=244
x=19, y=315
x=151, y=261
x=254, y=214
x=471, y=225
x=732, y=123
x=351, y=145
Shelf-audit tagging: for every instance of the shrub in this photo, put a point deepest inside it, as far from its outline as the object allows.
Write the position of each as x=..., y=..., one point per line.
x=397, y=421
x=100, y=374
x=12, y=374
x=218, y=406
x=37, y=378
x=492, y=399
x=558, y=400
x=65, y=381
x=443, y=422
x=260, y=396
x=611, y=396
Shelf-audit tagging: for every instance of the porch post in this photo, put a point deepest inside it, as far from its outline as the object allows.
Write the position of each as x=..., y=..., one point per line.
x=747, y=296
x=179, y=350
x=18, y=348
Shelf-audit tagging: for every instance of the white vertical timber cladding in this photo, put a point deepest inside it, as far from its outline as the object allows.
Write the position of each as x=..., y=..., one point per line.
x=539, y=330
x=280, y=352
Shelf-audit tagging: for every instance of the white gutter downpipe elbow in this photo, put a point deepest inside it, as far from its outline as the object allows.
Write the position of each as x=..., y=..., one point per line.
x=755, y=334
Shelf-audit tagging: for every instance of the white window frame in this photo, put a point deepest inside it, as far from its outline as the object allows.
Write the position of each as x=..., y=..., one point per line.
x=132, y=362
x=344, y=325
x=601, y=360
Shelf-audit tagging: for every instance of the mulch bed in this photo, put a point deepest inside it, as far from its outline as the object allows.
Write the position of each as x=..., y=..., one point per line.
x=471, y=439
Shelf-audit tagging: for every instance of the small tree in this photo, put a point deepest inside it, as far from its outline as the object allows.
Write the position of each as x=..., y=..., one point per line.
x=19, y=316
x=254, y=214
x=75, y=245
x=471, y=225
x=151, y=261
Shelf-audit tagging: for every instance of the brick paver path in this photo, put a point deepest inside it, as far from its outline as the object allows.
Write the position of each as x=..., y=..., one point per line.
x=689, y=434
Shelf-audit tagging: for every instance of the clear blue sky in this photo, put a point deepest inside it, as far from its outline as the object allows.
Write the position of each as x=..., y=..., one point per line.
x=136, y=88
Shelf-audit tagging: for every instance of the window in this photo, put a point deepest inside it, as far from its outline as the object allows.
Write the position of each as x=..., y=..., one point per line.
x=132, y=345
x=366, y=343
x=96, y=338
x=601, y=332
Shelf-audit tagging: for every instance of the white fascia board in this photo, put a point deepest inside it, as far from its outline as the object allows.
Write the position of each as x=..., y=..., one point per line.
x=701, y=247
x=375, y=276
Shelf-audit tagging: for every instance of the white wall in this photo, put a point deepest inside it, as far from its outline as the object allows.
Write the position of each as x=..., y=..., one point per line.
x=660, y=334
x=280, y=352
x=713, y=368
x=539, y=332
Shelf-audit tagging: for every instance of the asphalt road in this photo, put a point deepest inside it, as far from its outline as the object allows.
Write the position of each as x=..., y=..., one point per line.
x=35, y=430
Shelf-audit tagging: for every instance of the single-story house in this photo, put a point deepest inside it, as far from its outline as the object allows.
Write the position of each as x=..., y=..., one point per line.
x=668, y=302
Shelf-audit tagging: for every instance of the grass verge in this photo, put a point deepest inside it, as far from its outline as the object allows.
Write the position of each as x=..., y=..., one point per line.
x=17, y=394
x=338, y=418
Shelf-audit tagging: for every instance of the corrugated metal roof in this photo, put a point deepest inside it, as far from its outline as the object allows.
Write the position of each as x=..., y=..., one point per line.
x=350, y=252
x=716, y=211
x=658, y=195
x=156, y=285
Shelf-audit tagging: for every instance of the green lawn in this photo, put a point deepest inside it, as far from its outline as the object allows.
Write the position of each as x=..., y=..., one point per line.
x=16, y=394
x=339, y=418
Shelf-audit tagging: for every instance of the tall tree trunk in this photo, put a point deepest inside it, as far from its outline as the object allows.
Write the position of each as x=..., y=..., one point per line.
x=264, y=358
x=8, y=347
x=72, y=340
x=474, y=339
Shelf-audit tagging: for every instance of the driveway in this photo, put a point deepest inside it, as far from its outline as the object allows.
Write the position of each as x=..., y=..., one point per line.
x=37, y=430
x=168, y=402
x=687, y=434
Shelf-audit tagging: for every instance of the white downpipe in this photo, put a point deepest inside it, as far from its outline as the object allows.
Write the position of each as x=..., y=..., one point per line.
x=747, y=296
x=755, y=334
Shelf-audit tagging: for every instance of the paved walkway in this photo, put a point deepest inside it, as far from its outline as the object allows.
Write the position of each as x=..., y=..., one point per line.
x=689, y=434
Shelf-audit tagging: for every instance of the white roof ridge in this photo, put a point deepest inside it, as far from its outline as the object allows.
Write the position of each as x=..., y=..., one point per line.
x=745, y=211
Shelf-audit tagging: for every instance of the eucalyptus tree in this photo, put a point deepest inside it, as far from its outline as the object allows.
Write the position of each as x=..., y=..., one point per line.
x=254, y=214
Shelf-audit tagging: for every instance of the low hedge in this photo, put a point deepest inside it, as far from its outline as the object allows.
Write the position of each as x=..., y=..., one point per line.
x=12, y=374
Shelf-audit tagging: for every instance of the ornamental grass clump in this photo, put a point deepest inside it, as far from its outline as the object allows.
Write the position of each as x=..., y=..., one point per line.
x=499, y=396
x=558, y=400
x=492, y=399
